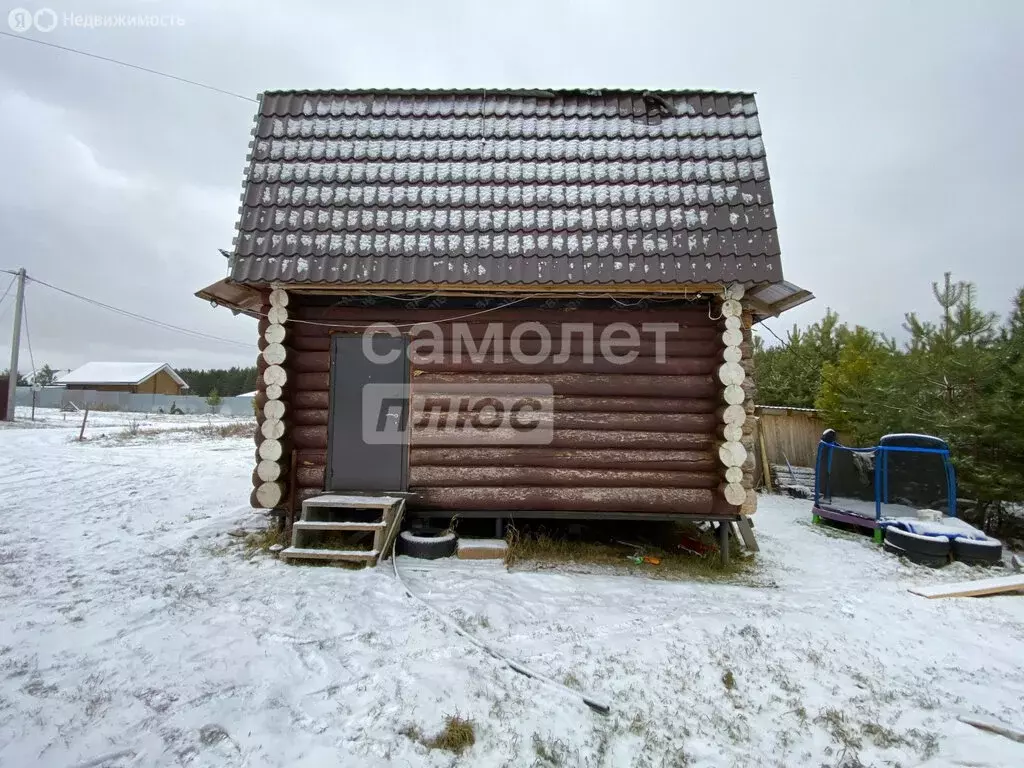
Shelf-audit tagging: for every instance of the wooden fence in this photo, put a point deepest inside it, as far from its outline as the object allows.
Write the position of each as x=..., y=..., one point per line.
x=790, y=435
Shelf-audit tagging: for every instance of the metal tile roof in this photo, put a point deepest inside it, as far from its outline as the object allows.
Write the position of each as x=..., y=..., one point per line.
x=512, y=187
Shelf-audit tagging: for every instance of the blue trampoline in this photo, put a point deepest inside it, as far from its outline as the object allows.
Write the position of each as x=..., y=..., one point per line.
x=897, y=478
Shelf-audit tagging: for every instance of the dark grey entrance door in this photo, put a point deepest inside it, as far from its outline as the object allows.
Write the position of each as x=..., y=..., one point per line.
x=367, y=447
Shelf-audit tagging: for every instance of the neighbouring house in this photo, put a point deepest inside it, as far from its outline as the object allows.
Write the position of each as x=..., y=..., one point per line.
x=137, y=378
x=591, y=259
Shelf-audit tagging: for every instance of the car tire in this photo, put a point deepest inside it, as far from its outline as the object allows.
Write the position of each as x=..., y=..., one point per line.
x=973, y=552
x=427, y=543
x=932, y=546
x=932, y=561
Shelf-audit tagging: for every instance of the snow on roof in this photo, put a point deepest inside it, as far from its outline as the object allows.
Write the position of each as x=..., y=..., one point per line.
x=118, y=373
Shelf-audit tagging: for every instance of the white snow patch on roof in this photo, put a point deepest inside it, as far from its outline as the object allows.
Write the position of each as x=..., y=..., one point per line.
x=118, y=373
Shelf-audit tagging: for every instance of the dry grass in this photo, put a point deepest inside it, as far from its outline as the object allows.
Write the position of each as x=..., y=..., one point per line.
x=549, y=751
x=133, y=431
x=655, y=556
x=263, y=540
x=347, y=540
x=232, y=429
x=458, y=735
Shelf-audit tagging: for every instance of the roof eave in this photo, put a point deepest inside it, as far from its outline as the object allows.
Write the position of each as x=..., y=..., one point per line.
x=240, y=298
x=772, y=299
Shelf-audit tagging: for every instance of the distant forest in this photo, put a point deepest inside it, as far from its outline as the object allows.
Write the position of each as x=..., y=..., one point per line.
x=227, y=381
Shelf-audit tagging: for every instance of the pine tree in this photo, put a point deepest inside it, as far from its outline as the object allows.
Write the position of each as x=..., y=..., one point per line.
x=45, y=376
x=790, y=373
x=214, y=398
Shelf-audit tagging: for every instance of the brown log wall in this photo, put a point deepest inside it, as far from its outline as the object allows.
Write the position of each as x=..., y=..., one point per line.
x=638, y=436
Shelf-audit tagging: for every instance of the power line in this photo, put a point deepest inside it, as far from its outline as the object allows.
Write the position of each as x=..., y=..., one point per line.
x=142, y=318
x=8, y=290
x=3, y=309
x=127, y=64
x=28, y=338
x=773, y=333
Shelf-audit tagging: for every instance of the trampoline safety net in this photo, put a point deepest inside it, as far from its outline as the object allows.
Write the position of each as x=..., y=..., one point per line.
x=896, y=478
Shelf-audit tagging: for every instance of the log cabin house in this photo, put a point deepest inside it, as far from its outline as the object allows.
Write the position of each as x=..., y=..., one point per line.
x=481, y=213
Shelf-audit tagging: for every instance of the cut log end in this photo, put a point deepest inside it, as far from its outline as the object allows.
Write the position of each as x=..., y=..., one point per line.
x=734, y=475
x=733, y=414
x=274, y=392
x=278, y=298
x=731, y=454
x=275, y=334
x=732, y=308
x=734, y=395
x=734, y=493
x=272, y=450
x=273, y=429
x=275, y=374
x=274, y=409
x=730, y=374
x=277, y=315
x=732, y=337
x=275, y=354
x=732, y=354
x=270, y=495
x=731, y=433
x=271, y=471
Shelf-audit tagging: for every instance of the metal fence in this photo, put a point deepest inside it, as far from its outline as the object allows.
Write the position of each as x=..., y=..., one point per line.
x=59, y=397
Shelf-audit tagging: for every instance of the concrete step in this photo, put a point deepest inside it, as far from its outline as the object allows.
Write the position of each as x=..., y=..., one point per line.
x=316, y=525
x=298, y=553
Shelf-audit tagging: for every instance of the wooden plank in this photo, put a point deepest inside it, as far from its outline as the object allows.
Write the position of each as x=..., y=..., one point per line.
x=746, y=532
x=351, y=501
x=299, y=553
x=972, y=588
x=764, y=460
x=579, y=289
x=993, y=726
x=317, y=525
x=394, y=521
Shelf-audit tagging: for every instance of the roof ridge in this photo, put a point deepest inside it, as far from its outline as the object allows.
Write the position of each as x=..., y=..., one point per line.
x=542, y=92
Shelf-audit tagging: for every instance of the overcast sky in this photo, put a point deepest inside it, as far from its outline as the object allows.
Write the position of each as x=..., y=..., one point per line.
x=894, y=133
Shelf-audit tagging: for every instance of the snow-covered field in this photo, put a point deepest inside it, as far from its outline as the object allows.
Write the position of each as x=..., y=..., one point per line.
x=133, y=627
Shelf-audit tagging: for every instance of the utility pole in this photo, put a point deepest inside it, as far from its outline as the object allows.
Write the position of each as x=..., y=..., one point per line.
x=19, y=304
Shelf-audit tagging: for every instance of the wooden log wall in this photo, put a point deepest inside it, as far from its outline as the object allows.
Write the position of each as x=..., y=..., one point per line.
x=641, y=436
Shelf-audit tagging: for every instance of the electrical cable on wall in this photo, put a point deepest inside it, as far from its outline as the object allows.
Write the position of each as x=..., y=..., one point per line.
x=507, y=304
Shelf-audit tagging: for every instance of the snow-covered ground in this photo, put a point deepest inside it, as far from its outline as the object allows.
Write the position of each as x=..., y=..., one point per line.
x=133, y=625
